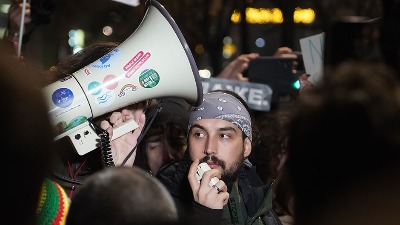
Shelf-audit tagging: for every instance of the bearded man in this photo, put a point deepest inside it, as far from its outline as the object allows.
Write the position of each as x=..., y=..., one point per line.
x=220, y=134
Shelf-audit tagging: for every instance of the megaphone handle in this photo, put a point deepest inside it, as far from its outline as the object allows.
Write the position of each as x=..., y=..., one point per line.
x=124, y=128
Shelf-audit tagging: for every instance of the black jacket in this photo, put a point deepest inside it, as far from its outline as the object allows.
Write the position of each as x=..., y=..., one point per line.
x=256, y=196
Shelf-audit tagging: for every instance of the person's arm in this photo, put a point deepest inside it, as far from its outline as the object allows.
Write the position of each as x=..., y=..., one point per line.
x=205, y=215
x=12, y=33
x=122, y=146
x=234, y=70
x=14, y=19
x=286, y=52
x=305, y=85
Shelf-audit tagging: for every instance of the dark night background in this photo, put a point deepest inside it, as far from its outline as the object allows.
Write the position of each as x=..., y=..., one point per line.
x=202, y=22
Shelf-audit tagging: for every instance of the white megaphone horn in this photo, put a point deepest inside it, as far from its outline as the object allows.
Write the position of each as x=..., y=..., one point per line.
x=154, y=62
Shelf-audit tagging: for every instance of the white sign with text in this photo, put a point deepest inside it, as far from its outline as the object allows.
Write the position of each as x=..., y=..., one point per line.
x=312, y=49
x=257, y=96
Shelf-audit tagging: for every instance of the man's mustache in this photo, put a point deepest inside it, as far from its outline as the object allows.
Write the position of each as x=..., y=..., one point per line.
x=214, y=160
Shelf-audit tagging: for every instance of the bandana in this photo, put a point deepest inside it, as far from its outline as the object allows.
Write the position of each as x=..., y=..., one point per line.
x=219, y=105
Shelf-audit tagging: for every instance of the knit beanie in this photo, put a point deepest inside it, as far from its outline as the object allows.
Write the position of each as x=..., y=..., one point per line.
x=53, y=204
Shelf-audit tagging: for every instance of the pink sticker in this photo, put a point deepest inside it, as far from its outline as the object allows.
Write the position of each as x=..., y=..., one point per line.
x=138, y=65
x=110, y=81
x=133, y=61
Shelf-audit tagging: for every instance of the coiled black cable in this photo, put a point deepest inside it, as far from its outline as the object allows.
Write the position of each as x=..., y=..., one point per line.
x=105, y=145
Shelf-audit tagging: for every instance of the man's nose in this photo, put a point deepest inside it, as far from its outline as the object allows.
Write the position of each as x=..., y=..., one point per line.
x=211, y=146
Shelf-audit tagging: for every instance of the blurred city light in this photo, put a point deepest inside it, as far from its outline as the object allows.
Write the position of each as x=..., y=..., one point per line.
x=76, y=38
x=228, y=51
x=259, y=16
x=107, y=30
x=296, y=85
x=274, y=16
x=305, y=16
x=199, y=49
x=205, y=73
x=260, y=42
x=4, y=8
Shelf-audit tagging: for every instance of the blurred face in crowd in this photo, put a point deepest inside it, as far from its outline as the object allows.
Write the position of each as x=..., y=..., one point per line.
x=157, y=152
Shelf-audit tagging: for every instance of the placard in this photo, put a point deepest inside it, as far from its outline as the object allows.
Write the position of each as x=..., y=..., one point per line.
x=312, y=49
x=257, y=96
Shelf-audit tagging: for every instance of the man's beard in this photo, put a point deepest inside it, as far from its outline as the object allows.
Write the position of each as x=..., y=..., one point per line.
x=228, y=175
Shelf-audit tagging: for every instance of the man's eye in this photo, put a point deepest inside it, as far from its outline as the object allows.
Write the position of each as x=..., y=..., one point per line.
x=224, y=136
x=199, y=134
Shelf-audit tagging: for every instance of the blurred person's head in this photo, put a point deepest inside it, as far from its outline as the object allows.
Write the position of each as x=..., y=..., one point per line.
x=166, y=139
x=270, y=148
x=122, y=195
x=345, y=132
x=26, y=138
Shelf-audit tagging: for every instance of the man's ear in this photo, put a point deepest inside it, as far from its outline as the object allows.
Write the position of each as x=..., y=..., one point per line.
x=247, y=147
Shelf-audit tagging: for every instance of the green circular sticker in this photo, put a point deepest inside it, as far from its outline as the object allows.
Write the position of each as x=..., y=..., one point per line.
x=149, y=78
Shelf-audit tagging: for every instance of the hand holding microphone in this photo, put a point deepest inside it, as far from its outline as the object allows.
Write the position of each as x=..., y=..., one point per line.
x=207, y=188
x=201, y=169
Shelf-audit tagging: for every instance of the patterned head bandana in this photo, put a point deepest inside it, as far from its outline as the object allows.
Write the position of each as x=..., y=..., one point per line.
x=219, y=105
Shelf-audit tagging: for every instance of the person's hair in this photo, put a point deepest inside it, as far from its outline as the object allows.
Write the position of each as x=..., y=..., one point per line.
x=74, y=62
x=26, y=138
x=343, y=132
x=168, y=126
x=124, y=196
x=270, y=142
x=170, y=133
x=267, y=152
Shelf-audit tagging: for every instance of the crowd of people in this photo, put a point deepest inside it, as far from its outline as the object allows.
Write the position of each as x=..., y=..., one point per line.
x=333, y=157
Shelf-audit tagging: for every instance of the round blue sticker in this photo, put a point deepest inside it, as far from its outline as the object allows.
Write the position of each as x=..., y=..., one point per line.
x=63, y=97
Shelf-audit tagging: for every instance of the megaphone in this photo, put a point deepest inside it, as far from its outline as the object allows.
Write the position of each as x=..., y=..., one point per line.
x=153, y=62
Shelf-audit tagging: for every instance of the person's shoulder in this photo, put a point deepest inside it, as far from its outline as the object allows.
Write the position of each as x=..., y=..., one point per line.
x=173, y=171
x=167, y=170
x=174, y=177
x=250, y=176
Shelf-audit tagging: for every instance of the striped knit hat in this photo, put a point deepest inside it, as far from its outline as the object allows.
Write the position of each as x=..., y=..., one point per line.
x=53, y=204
